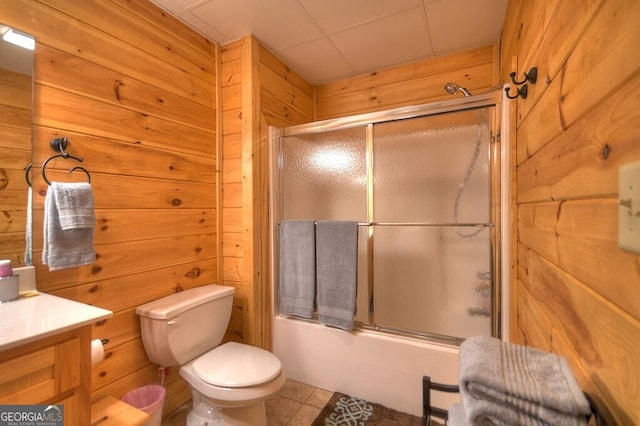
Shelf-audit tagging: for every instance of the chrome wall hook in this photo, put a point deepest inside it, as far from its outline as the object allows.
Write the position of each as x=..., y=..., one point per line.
x=521, y=92
x=531, y=77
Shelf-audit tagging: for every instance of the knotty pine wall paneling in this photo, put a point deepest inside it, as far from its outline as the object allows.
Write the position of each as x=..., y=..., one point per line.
x=286, y=99
x=411, y=84
x=258, y=90
x=134, y=91
x=254, y=306
x=578, y=292
x=232, y=254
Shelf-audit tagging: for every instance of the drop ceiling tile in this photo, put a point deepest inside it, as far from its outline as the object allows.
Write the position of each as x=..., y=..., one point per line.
x=389, y=41
x=336, y=15
x=462, y=24
x=204, y=28
x=318, y=61
x=325, y=40
x=277, y=23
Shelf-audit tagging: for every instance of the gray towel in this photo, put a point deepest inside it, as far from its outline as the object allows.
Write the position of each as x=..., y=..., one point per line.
x=456, y=416
x=336, y=272
x=69, y=219
x=74, y=202
x=503, y=383
x=297, y=268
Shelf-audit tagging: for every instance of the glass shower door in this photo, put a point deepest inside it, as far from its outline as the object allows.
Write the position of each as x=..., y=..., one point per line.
x=431, y=240
x=420, y=187
x=324, y=177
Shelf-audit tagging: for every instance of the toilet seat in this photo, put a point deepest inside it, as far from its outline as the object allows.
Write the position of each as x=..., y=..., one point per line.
x=235, y=365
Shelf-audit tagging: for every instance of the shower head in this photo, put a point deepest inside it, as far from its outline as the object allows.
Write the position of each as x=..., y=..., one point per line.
x=453, y=88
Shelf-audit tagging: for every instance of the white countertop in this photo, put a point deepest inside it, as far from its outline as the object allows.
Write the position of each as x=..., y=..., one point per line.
x=40, y=315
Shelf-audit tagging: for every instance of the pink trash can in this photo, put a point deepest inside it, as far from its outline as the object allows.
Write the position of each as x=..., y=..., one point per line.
x=150, y=399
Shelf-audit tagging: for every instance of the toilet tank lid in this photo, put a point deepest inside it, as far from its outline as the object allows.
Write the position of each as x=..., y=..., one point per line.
x=172, y=305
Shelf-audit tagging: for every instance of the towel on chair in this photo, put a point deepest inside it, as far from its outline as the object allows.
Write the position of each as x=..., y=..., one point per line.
x=336, y=272
x=457, y=416
x=507, y=384
x=69, y=219
x=297, y=268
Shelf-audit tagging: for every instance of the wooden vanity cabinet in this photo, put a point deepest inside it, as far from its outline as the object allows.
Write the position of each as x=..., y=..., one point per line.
x=53, y=370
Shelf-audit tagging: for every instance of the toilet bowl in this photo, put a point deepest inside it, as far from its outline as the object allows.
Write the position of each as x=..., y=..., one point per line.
x=229, y=382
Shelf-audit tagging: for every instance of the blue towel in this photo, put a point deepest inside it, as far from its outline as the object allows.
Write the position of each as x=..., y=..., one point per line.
x=336, y=272
x=297, y=268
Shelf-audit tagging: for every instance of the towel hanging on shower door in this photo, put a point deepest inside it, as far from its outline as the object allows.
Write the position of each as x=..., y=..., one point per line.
x=297, y=268
x=336, y=272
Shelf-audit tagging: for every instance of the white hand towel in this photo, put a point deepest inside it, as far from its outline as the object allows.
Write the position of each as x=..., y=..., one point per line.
x=69, y=220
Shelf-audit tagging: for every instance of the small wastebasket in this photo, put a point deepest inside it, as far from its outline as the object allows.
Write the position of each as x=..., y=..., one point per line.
x=150, y=399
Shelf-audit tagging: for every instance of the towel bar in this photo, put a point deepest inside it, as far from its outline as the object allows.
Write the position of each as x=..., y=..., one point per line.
x=60, y=144
x=485, y=225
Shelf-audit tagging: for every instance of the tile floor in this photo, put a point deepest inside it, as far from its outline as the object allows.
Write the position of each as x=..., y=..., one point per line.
x=296, y=404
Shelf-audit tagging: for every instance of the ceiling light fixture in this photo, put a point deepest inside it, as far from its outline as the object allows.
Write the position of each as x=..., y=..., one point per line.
x=19, y=39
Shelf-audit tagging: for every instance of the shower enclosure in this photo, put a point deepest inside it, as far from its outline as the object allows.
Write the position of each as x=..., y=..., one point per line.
x=423, y=183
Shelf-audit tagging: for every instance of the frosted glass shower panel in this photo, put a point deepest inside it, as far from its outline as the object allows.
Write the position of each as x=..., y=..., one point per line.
x=433, y=169
x=324, y=176
x=432, y=280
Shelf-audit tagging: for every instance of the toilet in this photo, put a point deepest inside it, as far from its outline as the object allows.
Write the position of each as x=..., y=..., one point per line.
x=229, y=382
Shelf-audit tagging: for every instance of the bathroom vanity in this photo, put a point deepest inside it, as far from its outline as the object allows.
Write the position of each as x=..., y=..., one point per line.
x=45, y=353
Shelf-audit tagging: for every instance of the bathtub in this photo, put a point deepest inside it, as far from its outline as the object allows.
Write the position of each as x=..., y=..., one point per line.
x=373, y=366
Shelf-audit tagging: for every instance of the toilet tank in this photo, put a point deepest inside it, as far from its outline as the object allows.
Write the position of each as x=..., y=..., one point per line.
x=177, y=328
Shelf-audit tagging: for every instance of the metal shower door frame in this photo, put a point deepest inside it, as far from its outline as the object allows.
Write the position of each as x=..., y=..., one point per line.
x=368, y=120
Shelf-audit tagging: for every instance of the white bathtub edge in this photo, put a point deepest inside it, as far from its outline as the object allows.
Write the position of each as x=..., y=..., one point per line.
x=377, y=367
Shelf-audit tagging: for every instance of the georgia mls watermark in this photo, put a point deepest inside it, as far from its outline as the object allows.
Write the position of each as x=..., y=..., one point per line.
x=31, y=415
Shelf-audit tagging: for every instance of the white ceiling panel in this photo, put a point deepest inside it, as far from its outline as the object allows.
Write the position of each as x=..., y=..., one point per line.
x=325, y=40
x=278, y=23
x=385, y=42
x=336, y=15
x=462, y=24
x=317, y=60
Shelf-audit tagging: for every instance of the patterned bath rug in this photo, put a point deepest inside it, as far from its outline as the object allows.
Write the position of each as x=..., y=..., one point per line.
x=345, y=410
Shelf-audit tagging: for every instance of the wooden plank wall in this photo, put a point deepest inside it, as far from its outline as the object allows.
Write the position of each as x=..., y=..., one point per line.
x=15, y=143
x=258, y=90
x=134, y=92
x=231, y=167
x=578, y=293
x=411, y=84
x=286, y=99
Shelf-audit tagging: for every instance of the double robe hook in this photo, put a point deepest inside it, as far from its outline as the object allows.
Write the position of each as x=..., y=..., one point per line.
x=531, y=77
x=523, y=91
